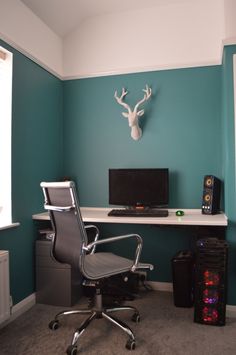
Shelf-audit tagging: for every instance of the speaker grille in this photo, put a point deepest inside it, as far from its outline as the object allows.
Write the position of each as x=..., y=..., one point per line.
x=209, y=181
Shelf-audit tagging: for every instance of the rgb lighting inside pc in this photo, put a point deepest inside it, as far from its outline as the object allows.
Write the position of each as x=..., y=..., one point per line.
x=210, y=296
x=211, y=278
x=210, y=315
x=210, y=281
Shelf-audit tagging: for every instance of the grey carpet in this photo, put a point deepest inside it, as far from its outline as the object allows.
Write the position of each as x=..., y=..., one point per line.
x=164, y=330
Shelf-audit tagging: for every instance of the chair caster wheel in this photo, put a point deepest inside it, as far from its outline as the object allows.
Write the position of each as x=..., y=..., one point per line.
x=71, y=350
x=136, y=318
x=130, y=345
x=54, y=325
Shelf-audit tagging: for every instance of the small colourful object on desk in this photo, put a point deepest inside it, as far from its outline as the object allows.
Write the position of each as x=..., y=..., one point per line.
x=179, y=213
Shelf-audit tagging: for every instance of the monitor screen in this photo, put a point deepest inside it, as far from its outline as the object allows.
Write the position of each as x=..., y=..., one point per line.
x=139, y=187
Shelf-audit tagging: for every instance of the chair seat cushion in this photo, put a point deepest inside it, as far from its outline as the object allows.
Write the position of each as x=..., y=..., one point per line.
x=100, y=265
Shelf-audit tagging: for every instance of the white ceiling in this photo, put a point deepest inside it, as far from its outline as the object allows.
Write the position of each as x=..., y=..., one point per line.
x=63, y=16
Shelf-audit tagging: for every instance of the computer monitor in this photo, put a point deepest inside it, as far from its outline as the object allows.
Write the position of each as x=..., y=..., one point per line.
x=139, y=187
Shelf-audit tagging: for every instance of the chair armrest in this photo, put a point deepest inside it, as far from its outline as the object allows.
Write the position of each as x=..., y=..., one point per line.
x=91, y=226
x=117, y=238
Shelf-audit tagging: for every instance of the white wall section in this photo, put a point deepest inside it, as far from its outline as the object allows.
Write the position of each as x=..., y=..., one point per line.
x=172, y=34
x=26, y=32
x=230, y=21
x=167, y=36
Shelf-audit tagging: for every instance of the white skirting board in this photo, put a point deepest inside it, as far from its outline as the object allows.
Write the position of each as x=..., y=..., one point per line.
x=30, y=301
x=20, y=308
x=160, y=286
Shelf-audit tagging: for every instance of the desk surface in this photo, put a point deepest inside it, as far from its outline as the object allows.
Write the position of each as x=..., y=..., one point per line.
x=192, y=217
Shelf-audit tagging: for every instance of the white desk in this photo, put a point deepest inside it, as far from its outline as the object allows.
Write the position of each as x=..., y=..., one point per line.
x=192, y=217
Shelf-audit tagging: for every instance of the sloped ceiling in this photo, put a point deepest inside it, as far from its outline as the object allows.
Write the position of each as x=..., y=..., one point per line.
x=84, y=38
x=63, y=16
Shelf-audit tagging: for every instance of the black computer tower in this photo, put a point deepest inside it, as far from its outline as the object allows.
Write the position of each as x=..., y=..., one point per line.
x=183, y=278
x=211, y=281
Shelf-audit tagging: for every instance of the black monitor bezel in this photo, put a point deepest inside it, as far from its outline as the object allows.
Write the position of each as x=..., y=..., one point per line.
x=134, y=203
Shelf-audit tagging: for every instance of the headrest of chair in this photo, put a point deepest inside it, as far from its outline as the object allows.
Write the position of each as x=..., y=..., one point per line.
x=59, y=184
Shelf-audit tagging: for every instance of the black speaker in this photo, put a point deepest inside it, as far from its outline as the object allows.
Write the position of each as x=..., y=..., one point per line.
x=211, y=195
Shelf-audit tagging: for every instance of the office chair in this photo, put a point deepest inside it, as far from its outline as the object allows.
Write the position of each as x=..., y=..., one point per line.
x=70, y=245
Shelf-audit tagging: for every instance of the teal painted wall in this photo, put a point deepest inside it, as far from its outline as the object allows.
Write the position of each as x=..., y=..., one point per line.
x=228, y=133
x=76, y=128
x=181, y=131
x=37, y=149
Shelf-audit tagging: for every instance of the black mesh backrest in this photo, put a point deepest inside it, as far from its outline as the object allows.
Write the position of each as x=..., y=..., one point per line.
x=69, y=229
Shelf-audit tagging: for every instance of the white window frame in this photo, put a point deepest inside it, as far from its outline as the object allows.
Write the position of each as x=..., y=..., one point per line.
x=234, y=93
x=6, y=61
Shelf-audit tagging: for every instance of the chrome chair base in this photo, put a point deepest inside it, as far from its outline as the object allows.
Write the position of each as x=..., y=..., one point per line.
x=98, y=312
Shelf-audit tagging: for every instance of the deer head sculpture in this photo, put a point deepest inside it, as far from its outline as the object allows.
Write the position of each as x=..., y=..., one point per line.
x=134, y=114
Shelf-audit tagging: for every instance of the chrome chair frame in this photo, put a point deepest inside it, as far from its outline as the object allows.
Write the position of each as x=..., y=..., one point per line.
x=98, y=310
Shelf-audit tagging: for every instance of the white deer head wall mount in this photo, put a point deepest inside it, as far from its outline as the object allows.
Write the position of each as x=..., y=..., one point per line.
x=134, y=114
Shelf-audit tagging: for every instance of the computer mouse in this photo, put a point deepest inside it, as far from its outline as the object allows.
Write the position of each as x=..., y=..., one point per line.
x=179, y=213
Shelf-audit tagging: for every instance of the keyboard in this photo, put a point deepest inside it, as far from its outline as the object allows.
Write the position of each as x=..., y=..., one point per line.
x=138, y=213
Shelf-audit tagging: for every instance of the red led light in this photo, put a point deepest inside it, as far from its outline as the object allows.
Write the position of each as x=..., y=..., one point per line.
x=209, y=315
x=211, y=278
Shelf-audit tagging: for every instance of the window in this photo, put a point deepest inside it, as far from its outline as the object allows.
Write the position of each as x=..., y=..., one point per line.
x=234, y=90
x=5, y=136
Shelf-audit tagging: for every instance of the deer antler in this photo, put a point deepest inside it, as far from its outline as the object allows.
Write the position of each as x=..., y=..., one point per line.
x=148, y=92
x=120, y=99
x=133, y=115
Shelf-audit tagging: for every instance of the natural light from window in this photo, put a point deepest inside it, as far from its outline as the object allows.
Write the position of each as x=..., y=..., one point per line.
x=5, y=136
x=234, y=71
